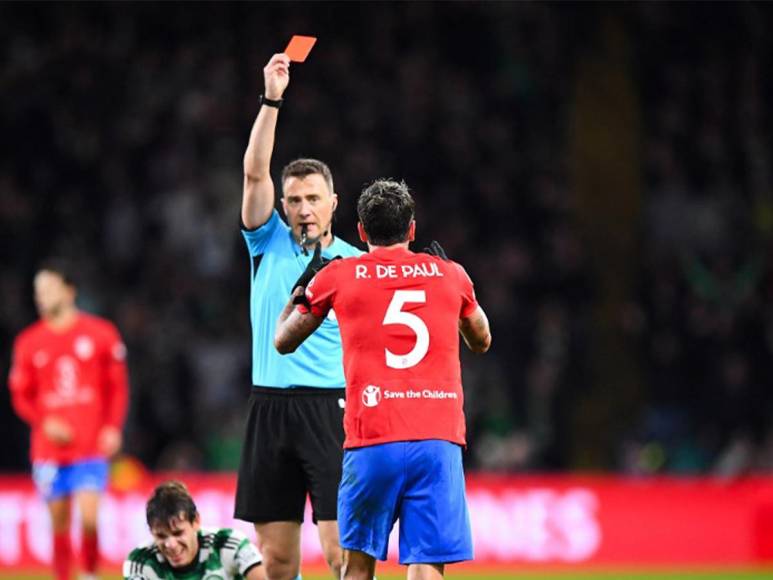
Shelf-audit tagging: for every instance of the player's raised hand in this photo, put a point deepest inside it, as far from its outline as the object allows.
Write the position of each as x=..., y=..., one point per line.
x=435, y=249
x=316, y=263
x=276, y=76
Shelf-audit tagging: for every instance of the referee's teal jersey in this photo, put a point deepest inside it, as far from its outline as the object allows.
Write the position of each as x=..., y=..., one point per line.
x=276, y=262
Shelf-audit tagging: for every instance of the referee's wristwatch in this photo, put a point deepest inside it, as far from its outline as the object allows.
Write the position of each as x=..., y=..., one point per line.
x=270, y=102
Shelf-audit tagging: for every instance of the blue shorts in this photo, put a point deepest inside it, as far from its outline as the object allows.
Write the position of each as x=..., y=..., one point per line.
x=54, y=481
x=421, y=483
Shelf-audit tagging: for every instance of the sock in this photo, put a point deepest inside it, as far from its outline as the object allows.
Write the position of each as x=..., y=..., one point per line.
x=89, y=552
x=62, y=555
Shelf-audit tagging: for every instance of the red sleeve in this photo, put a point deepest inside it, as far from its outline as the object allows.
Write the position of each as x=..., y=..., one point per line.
x=116, y=379
x=469, y=301
x=321, y=291
x=21, y=382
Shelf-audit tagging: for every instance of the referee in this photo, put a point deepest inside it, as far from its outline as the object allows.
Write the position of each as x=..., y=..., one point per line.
x=294, y=434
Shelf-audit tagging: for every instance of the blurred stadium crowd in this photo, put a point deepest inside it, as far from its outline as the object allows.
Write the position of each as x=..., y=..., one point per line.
x=124, y=127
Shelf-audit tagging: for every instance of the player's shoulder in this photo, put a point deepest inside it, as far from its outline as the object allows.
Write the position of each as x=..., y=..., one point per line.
x=443, y=263
x=30, y=333
x=143, y=562
x=95, y=320
x=221, y=538
x=97, y=325
x=448, y=267
x=140, y=554
x=341, y=266
x=462, y=276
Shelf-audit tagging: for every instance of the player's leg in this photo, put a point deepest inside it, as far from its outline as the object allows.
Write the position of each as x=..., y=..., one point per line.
x=271, y=489
x=357, y=566
x=280, y=545
x=425, y=571
x=319, y=445
x=434, y=519
x=59, y=510
x=53, y=484
x=89, y=480
x=369, y=499
x=88, y=505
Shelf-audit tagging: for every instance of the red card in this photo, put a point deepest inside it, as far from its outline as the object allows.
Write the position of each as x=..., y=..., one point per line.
x=300, y=47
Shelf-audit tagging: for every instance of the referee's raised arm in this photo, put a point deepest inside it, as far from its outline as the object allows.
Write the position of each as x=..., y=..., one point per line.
x=258, y=193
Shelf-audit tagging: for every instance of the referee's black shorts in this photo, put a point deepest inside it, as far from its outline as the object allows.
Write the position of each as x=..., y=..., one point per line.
x=293, y=445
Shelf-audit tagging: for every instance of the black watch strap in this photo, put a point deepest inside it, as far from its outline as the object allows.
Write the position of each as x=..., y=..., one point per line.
x=270, y=102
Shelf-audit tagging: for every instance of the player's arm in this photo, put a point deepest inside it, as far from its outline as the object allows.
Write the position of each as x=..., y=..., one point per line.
x=240, y=557
x=293, y=326
x=22, y=385
x=473, y=323
x=117, y=395
x=258, y=192
x=475, y=331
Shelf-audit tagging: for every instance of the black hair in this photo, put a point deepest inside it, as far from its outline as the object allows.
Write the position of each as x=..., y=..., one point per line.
x=386, y=209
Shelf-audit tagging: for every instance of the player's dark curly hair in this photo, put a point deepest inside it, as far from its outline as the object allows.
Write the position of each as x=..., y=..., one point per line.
x=386, y=209
x=169, y=500
x=304, y=167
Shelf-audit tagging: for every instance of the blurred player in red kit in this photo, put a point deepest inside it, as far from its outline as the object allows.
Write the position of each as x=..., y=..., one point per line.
x=68, y=381
x=400, y=315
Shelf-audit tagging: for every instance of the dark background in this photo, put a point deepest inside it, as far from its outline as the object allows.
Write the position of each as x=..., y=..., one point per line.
x=603, y=171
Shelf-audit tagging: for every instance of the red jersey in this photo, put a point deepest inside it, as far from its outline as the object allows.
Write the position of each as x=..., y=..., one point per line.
x=398, y=313
x=78, y=375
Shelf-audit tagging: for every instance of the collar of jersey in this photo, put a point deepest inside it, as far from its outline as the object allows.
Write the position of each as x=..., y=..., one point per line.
x=391, y=253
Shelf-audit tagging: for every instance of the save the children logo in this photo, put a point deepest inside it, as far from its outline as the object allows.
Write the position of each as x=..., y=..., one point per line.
x=371, y=396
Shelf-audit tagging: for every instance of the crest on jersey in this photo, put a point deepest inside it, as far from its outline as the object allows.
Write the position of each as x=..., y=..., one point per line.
x=371, y=396
x=84, y=347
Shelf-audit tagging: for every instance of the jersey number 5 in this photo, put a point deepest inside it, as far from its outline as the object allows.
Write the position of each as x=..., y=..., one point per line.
x=395, y=315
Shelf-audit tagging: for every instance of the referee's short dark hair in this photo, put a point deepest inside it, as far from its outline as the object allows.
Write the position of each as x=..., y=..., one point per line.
x=169, y=500
x=306, y=166
x=386, y=209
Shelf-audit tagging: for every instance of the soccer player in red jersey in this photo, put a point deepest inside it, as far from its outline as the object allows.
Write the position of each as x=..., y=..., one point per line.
x=399, y=313
x=69, y=383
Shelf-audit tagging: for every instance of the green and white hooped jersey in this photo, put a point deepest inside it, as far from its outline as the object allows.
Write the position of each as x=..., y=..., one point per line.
x=224, y=554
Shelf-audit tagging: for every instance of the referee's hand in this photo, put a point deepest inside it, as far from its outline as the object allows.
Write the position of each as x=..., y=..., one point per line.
x=276, y=76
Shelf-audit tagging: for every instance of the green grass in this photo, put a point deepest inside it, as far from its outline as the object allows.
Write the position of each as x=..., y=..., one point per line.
x=397, y=574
